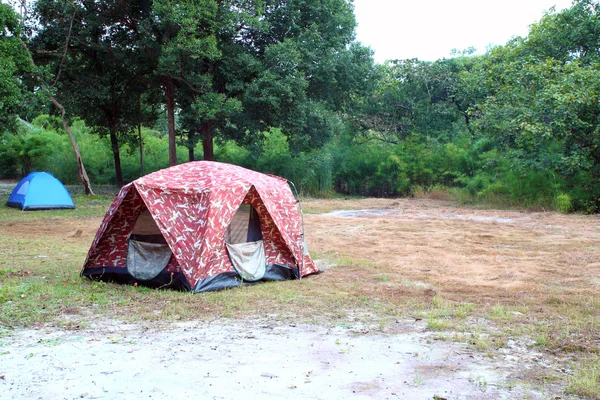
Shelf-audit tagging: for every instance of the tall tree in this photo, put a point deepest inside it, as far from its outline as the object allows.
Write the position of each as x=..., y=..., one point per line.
x=569, y=35
x=99, y=78
x=230, y=68
x=309, y=68
x=414, y=97
x=14, y=64
x=288, y=64
x=185, y=31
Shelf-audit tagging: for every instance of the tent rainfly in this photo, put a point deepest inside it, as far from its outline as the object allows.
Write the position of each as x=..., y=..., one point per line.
x=40, y=191
x=201, y=226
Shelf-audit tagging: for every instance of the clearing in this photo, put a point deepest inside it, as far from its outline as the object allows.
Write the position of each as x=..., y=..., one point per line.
x=419, y=298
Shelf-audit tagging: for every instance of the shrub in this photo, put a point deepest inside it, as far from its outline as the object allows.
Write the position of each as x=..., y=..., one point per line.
x=563, y=203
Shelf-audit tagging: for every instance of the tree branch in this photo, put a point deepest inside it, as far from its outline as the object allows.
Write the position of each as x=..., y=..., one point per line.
x=66, y=46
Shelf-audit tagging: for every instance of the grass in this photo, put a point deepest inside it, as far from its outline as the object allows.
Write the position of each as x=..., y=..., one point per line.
x=440, y=324
x=85, y=206
x=586, y=379
x=500, y=313
x=443, y=308
x=311, y=205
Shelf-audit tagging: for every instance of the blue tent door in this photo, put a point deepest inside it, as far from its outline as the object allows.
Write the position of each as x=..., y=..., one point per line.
x=40, y=191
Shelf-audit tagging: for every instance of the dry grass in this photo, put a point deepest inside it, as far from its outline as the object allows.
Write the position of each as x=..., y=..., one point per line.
x=482, y=256
x=545, y=263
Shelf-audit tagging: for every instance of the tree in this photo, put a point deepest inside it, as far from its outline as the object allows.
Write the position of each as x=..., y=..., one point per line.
x=185, y=31
x=14, y=65
x=414, y=97
x=569, y=35
x=309, y=69
x=287, y=64
x=26, y=150
x=95, y=70
x=18, y=66
x=541, y=104
x=229, y=68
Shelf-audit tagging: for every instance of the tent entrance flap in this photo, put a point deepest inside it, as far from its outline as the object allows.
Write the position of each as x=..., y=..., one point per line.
x=245, y=245
x=147, y=252
x=146, y=260
x=248, y=259
x=245, y=226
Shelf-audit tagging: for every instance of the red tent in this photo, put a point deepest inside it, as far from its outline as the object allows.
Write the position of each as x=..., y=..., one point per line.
x=201, y=226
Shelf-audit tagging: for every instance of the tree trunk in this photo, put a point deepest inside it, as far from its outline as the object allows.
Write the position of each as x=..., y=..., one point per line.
x=191, y=146
x=114, y=142
x=81, y=174
x=170, y=100
x=141, y=140
x=141, y=149
x=207, y=146
x=207, y=141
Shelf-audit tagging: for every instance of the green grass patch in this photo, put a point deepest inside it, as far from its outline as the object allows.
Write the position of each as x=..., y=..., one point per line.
x=85, y=206
x=441, y=307
x=501, y=313
x=440, y=324
x=586, y=379
x=341, y=260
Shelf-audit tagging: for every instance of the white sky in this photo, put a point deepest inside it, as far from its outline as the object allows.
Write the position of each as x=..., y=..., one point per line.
x=430, y=29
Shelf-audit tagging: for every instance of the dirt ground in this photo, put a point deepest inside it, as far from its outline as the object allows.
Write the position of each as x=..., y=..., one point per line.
x=256, y=358
x=489, y=256
x=533, y=262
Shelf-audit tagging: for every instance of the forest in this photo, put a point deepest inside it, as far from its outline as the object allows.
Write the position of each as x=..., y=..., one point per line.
x=102, y=92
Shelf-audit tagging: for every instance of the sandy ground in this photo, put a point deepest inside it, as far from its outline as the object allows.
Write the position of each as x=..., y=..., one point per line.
x=253, y=359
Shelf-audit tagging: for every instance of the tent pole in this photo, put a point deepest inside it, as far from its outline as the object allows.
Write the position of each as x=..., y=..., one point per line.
x=302, y=243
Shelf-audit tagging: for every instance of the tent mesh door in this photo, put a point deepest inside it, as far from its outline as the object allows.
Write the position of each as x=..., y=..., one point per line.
x=245, y=245
x=148, y=253
x=245, y=226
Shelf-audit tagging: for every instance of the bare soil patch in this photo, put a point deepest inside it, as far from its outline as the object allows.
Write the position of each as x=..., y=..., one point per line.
x=259, y=357
x=81, y=230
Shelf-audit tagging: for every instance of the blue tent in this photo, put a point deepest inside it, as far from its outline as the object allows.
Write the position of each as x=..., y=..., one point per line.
x=40, y=191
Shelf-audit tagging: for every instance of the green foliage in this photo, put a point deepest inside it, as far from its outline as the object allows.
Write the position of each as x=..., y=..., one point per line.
x=25, y=151
x=517, y=126
x=232, y=153
x=14, y=64
x=48, y=122
x=275, y=157
x=50, y=150
x=566, y=36
x=539, y=106
x=231, y=69
x=311, y=172
x=414, y=97
x=563, y=203
x=99, y=160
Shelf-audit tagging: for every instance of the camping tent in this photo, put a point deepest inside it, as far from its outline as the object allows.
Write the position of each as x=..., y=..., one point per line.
x=201, y=226
x=40, y=191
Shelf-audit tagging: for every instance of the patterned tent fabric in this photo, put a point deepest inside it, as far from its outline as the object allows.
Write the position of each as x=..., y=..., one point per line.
x=193, y=204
